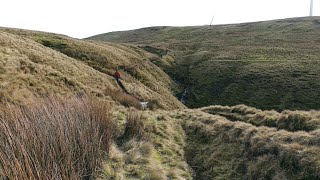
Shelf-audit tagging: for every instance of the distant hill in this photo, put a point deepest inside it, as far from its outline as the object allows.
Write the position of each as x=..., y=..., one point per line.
x=37, y=64
x=269, y=65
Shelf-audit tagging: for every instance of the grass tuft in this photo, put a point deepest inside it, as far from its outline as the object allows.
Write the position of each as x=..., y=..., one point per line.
x=134, y=127
x=123, y=98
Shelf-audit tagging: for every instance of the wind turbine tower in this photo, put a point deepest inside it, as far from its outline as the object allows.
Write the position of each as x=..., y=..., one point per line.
x=311, y=7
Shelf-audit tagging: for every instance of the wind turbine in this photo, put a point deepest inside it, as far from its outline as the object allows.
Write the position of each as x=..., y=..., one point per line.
x=311, y=7
x=211, y=20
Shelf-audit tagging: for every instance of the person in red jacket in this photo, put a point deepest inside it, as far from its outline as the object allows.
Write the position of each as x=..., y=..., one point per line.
x=117, y=75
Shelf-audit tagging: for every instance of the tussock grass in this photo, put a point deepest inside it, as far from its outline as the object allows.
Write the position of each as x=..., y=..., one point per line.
x=123, y=98
x=149, y=147
x=134, y=127
x=154, y=104
x=213, y=146
x=288, y=120
x=221, y=149
x=54, y=139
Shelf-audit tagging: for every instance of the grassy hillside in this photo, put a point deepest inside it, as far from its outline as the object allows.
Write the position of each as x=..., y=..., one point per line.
x=62, y=116
x=193, y=144
x=269, y=65
x=37, y=64
x=85, y=139
x=217, y=147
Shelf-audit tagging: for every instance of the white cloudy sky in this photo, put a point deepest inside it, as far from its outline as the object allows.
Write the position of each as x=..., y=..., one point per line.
x=83, y=18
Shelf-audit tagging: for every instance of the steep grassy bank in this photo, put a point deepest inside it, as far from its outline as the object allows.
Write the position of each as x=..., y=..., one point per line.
x=39, y=64
x=218, y=148
x=268, y=65
x=192, y=144
x=36, y=65
x=288, y=120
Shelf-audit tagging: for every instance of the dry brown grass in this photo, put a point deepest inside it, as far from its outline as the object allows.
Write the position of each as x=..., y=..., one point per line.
x=134, y=127
x=288, y=120
x=123, y=98
x=221, y=149
x=150, y=146
x=54, y=139
x=40, y=64
x=154, y=104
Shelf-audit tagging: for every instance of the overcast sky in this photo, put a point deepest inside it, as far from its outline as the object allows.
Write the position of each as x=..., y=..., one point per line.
x=83, y=18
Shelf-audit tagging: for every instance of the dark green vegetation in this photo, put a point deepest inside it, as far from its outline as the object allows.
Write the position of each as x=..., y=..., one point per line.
x=268, y=65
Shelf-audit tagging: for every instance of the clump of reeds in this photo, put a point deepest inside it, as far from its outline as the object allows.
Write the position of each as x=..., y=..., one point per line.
x=134, y=126
x=54, y=139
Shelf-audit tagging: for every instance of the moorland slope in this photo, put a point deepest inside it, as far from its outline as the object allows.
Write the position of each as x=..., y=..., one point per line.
x=37, y=64
x=50, y=129
x=268, y=65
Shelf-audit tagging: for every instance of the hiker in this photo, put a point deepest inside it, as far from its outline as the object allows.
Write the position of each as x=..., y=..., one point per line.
x=117, y=75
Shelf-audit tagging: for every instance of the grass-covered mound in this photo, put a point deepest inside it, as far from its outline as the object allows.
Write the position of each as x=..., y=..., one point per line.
x=288, y=120
x=218, y=148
